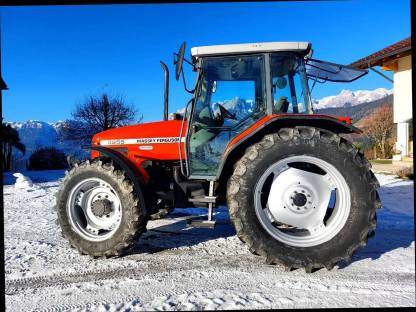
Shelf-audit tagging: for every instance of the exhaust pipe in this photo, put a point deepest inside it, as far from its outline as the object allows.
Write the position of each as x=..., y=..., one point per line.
x=166, y=97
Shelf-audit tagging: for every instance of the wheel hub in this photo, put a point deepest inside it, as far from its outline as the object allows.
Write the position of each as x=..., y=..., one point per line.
x=101, y=207
x=299, y=199
x=94, y=209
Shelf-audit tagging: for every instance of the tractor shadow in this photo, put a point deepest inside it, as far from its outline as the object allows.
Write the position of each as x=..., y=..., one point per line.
x=173, y=232
x=395, y=223
x=395, y=228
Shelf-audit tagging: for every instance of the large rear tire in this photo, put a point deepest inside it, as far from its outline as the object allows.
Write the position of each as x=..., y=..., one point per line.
x=304, y=198
x=99, y=210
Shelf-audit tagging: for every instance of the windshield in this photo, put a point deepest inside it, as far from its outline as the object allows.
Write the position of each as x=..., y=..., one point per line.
x=232, y=91
x=231, y=97
x=289, y=84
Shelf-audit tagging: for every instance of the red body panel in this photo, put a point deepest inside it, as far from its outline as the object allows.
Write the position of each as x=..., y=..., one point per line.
x=149, y=141
x=159, y=140
x=153, y=140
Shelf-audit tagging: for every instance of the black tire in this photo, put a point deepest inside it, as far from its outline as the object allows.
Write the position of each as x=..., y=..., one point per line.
x=133, y=220
x=321, y=144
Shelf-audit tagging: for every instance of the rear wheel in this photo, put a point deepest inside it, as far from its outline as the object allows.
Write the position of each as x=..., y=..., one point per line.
x=99, y=211
x=304, y=198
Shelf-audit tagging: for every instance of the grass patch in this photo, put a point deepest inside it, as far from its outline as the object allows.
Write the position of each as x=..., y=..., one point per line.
x=381, y=161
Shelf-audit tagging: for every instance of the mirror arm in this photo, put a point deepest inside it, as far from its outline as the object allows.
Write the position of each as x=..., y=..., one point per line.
x=190, y=63
x=184, y=83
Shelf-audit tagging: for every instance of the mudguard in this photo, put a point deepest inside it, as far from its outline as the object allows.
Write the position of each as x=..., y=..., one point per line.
x=272, y=123
x=123, y=162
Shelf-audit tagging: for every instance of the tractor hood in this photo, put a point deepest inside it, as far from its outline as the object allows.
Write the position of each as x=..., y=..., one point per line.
x=153, y=140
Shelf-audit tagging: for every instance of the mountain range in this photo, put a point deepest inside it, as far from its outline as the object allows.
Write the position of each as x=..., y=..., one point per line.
x=347, y=98
x=357, y=112
x=36, y=134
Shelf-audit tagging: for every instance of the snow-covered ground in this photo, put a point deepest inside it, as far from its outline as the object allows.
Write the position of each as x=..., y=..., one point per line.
x=172, y=267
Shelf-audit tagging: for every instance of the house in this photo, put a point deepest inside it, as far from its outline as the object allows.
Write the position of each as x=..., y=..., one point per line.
x=396, y=58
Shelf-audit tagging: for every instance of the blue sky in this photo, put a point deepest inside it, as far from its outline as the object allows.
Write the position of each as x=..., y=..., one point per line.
x=53, y=56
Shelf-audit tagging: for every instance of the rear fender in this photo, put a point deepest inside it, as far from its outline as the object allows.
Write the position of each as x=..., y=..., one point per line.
x=271, y=124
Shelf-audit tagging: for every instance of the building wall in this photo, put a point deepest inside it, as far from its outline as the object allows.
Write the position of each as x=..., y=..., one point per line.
x=402, y=105
x=403, y=90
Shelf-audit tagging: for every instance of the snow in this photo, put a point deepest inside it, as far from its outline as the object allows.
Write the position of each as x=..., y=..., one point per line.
x=352, y=98
x=173, y=267
x=22, y=182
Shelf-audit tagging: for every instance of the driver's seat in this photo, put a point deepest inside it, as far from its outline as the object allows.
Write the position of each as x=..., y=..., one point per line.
x=282, y=105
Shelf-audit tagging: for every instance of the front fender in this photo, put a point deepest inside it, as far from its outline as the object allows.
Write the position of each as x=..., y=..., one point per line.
x=122, y=162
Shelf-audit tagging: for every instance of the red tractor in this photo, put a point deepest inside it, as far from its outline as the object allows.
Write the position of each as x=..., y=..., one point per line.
x=297, y=192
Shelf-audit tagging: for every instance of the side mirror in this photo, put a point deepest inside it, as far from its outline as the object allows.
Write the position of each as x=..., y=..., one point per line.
x=178, y=60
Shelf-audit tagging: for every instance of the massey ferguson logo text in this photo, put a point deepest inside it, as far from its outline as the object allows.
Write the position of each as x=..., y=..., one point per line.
x=140, y=141
x=157, y=140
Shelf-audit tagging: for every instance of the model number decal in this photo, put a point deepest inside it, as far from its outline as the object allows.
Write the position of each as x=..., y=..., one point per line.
x=141, y=141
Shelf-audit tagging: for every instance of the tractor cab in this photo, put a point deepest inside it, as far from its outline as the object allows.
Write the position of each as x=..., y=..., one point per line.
x=240, y=84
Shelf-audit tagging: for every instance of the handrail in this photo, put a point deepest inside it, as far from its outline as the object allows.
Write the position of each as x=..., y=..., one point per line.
x=180, y=138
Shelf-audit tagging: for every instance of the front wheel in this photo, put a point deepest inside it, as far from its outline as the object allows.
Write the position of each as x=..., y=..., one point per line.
x=304, y=198
x=99, y=210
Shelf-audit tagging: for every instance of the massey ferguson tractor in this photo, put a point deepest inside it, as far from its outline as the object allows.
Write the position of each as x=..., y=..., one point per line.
x=298, y=193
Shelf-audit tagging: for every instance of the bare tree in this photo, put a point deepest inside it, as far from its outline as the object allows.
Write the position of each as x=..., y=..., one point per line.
x=379, y=127
x=9, y=139
x=96, y=114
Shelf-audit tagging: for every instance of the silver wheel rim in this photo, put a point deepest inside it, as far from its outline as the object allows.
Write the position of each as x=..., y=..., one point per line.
x=94, y=209
x=302, y=201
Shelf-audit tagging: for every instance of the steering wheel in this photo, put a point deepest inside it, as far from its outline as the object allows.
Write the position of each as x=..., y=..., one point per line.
x=225, y=113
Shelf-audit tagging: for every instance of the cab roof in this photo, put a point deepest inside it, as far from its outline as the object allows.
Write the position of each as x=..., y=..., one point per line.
x=245, y=48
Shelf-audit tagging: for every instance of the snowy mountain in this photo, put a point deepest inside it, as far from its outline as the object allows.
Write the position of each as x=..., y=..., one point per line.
x=36, y=134
x=348, y=98
x=356, y=112
x=239, y=107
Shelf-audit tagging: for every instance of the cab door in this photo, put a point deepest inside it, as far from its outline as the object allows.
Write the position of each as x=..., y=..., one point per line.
x=231, y=97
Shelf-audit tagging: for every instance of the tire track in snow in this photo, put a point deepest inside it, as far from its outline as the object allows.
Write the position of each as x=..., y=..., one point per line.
x=348, y=283
x=319, y=286
x=14, y=286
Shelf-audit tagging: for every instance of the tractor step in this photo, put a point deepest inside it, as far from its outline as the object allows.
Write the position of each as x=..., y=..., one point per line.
x=204, y=199
x=198, y=223
x=211, y=199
